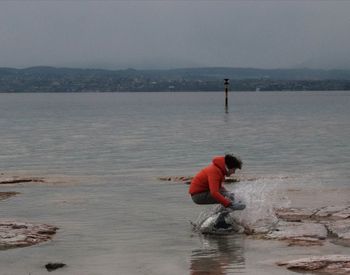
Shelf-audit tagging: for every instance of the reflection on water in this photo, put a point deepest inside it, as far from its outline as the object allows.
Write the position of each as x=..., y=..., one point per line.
x=218, y=255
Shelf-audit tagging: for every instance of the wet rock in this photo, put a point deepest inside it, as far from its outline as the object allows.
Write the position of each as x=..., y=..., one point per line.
x=53, y=266
x=340, y=229
x=5, y=195
x=296, y=233
x=19, y=234
x=180, y=179
x=332, y=213
x=329, y=213
x=343, y=214
x=330, y=264
x=232, y=180
x=335, y=218
x=18, y=179
x=304, y=241
x=295, y=214
x=256, y=229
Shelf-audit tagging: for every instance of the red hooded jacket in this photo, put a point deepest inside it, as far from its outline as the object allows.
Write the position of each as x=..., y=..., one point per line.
x=210, y=179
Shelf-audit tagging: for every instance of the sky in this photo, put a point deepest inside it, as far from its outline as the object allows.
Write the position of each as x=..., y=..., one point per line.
x=175, y=34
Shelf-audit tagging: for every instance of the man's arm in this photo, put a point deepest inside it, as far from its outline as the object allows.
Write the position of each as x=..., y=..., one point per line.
x=214, y=187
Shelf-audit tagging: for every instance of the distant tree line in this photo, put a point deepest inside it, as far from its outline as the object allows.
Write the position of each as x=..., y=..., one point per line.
x=49, y=79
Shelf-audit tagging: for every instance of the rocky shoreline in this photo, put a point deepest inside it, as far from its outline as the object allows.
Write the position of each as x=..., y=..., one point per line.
x=310, y=227
x=187, y=179
x=299, y=227
x=302, y=227
x=15, y=234
x=19, y=179
x=330, y=264
x=228, y=180
x=20, y=234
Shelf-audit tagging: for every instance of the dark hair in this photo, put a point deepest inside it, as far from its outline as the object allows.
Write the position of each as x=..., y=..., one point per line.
x=232, y=161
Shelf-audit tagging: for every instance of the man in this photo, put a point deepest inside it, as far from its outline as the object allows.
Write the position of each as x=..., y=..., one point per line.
x=206, y=187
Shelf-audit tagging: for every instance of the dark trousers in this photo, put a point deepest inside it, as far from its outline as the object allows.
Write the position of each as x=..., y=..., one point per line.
x=206, y=198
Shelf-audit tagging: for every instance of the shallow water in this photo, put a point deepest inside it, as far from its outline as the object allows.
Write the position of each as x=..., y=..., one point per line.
x=115, y=217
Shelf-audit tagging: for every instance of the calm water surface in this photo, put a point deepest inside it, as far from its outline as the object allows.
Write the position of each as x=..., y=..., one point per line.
x=117, y=218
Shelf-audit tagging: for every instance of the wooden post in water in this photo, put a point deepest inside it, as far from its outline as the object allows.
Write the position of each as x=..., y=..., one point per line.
x=226, y=85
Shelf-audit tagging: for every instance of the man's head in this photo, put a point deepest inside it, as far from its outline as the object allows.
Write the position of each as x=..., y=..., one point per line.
x=232, y=163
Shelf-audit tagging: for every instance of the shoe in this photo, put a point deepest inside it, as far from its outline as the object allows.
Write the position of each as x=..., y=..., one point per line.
x=221, y=222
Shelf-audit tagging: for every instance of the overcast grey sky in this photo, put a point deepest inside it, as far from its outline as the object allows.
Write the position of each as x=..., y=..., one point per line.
x=171, y=34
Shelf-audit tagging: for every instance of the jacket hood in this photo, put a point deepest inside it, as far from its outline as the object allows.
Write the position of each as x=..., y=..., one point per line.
x=220, y=163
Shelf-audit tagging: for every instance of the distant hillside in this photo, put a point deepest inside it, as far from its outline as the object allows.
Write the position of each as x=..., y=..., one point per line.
x=50, y=79
x=277, y=74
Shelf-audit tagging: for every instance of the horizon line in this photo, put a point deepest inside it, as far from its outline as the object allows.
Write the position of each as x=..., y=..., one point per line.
x=172, y=69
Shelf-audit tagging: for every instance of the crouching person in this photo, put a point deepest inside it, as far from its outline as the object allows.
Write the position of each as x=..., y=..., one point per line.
x=206, y=187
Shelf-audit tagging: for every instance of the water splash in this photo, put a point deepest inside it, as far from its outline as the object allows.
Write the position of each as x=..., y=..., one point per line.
x=207, y=222
x=262, y=198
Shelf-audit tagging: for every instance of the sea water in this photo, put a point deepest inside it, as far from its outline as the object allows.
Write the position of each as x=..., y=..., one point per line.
x=103, y=153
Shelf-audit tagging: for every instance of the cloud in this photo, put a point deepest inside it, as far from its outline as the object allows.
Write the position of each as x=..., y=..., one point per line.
x=168, y=34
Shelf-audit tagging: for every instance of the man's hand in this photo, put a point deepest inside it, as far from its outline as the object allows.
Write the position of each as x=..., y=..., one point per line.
x=229, y=195
x=236, y=206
